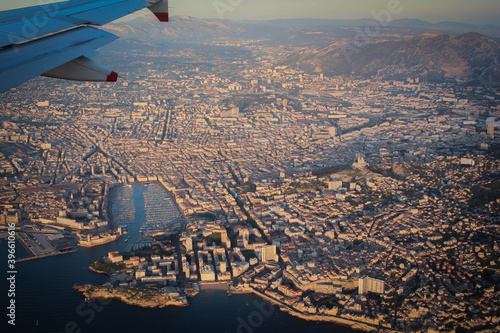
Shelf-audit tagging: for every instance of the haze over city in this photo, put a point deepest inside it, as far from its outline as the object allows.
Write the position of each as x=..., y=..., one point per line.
x=463, y=11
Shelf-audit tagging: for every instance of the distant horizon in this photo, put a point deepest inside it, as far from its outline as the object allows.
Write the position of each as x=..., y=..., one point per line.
x=481, y=12
x=330, y=19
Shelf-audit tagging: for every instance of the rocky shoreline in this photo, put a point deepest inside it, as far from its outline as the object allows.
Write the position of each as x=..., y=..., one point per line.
x=147, y=298
x=92, y=269
x=346, y=322
x=143, y=298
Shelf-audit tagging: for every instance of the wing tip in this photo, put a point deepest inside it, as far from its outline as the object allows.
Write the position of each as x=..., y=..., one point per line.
x=163, y=17
x=112, y=77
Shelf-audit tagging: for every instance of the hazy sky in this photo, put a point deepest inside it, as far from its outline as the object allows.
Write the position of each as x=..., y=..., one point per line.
x=467, y=11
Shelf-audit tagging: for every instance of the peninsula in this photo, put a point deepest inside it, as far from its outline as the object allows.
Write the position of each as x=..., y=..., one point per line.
x=142, y=297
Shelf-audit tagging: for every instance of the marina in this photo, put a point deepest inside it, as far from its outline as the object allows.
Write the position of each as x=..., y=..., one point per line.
x=122, y=206
x=147, y=202
x=161, y=213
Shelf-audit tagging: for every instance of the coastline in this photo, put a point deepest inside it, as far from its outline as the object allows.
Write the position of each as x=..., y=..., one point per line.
x=147, y=298
x=352, y=324
x=92, y=242
x=222, y=286
x=44, y=256
x=92, y=269
x=141, y=298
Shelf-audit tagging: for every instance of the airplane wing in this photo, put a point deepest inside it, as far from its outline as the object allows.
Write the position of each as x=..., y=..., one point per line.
x=58, y=39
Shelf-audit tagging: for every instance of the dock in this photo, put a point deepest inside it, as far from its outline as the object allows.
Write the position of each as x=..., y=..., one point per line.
x=39, y=246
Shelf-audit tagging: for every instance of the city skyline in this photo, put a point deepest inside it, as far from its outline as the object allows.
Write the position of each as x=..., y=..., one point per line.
x=479, y=12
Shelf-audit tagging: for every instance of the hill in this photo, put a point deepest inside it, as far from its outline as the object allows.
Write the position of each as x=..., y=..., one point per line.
x=431, y=57
x=186, y=28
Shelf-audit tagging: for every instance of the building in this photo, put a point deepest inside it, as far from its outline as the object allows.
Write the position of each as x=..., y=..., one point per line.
x=207, y=273
x=10, y=216
x=70, y=223
x=368, y=284
x=322, y=134
x=491, y=124
x=327, y=288
x=223, y=236
x=467, y=161
x=267, y=253
x=189, y=243
x=114, y=257
x=361, y=163
x=335, y=183
x=230, y=113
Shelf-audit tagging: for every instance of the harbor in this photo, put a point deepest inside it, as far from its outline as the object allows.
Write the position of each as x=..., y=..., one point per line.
x=122, y=207
x=40, y=243
x=57, y=275
x=162, y=216
x=148, y=202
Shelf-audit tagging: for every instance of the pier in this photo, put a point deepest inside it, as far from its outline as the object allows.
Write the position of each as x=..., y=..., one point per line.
x=39, y=246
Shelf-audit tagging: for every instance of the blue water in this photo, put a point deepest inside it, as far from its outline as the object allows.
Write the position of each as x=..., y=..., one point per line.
x=140, y=216
x=46, y=302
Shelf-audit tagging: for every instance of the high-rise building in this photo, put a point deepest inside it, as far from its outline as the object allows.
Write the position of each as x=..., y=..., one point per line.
x=267, y=253
x=223, y=236
x=368, y=284
x=491, y=124
x=189, y=244
x=491, y=130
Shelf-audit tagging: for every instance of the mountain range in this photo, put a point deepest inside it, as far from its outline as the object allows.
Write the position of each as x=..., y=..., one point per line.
x=419, y=26
x=431, y=57
x=407, y=48
x=184, y=28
